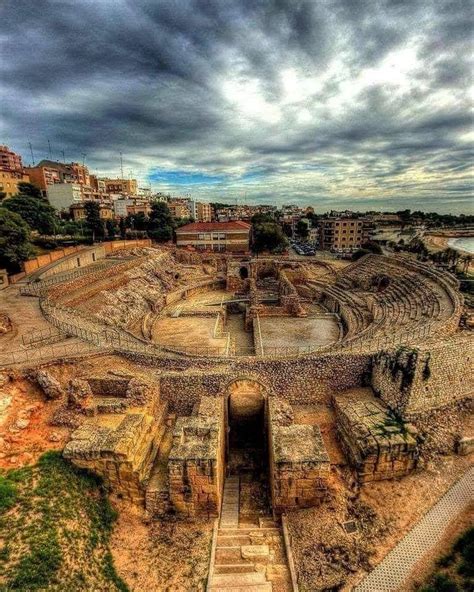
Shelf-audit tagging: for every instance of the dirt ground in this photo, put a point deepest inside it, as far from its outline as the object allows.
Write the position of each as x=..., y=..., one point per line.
x=24, y=430
x=168, y=556
x=298, y=332
x=383, y=512
x=187, y=332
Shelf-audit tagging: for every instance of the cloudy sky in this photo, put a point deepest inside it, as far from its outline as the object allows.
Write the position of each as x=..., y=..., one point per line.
x=334, y=103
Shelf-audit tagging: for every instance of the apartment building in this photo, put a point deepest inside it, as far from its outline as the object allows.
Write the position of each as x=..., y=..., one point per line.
x=78, y=211
x=63, y=195
x=50, y=172
x=341, y=234
x=10, y=161
x=128, y=206
x=11, y=172
x=215, y=236
x=180, y=207
x=123, y=186
x=9, y=181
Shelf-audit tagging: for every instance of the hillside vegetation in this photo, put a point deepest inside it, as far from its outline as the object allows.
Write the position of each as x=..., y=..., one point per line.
x=55, y=524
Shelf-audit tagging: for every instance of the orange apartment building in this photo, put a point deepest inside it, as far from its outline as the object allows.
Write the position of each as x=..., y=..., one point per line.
x=215, y=236
x=49, y=172
x=11, y=171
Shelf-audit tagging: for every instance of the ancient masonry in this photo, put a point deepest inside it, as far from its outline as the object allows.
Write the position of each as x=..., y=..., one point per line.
x=235, y=345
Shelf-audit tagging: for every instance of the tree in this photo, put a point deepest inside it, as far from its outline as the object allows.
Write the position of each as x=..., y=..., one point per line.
x=161, y=223
x=269, y=237
x=123, y=228
x=30, y=190
x=70, y=227
x=373, y=247
x=37, y=213
x=15, y=245
x=137, y=221
x=261, y=218
x=359, y=253
x=111, y=227
x=94, y=222
x=302, y=229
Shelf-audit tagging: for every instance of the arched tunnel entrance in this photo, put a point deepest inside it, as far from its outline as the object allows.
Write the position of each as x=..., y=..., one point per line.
x=246, y=417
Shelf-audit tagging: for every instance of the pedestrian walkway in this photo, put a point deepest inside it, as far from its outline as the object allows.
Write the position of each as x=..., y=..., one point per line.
x=392, y=572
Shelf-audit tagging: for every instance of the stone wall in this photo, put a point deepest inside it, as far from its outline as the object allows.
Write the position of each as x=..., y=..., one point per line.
x=377, y=444
x=303, y=380
x=412, y=381
x=196, y=461
x=299, y=463
x=121, y=449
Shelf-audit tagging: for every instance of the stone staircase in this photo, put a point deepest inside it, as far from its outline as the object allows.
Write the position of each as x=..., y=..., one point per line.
x=250, y=553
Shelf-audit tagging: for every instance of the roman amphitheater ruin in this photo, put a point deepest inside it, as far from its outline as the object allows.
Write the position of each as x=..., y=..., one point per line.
x=248, y=369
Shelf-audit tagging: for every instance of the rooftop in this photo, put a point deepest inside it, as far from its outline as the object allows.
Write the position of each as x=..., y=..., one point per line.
x=214, y=226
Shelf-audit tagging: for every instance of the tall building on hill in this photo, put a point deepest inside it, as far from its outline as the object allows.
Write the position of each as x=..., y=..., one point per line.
x=49, y=172
x=10, y=161
x=11, y=172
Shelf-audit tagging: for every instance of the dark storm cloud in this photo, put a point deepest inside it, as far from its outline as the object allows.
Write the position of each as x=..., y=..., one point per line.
x=286, y=100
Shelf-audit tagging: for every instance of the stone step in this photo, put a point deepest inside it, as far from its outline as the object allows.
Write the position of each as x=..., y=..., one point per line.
x=267, y=587
x=240, y=580
x=233, y=540
x=241, y=530
x=228, y=568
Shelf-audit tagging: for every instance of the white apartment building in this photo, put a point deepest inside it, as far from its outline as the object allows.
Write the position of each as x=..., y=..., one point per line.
x=63, y=195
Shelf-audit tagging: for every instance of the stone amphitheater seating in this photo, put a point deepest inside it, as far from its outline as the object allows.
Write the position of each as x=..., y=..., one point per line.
x=416, y=297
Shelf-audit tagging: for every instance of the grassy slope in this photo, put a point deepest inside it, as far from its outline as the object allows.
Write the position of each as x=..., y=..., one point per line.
x=455, y=571
x=55, y=524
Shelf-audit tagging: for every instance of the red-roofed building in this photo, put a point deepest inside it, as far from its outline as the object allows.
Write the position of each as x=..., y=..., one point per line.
x=215, y=236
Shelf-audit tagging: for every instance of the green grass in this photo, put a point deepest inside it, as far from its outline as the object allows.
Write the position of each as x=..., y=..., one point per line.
x=55, y=525
x=455, y=570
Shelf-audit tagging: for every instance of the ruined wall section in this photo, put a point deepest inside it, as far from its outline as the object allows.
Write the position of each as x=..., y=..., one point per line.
x=299, y=463
x=377, y=443
x=197, y=460
x=413, y=381
x=121, y=449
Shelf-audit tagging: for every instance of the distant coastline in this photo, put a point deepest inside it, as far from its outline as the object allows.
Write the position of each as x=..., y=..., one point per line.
x=461, y=240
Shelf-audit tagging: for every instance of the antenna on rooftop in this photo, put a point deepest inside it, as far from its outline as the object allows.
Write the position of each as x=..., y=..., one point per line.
x=32, y=156
x=83, y=157
x=64, y=157
x=121, y=166
x=49, y=150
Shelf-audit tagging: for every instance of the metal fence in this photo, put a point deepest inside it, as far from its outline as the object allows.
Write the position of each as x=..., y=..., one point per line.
x=40, y=287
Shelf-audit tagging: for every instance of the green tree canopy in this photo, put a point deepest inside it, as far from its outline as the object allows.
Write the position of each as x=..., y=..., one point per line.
x=302, y=229
x=137, y=221
x=373, y=247
x=269, y=237
x=161, y=223
x=94, y=222
x=37, y=213
x=29, y=189
x=15, y=245
x=112, y=228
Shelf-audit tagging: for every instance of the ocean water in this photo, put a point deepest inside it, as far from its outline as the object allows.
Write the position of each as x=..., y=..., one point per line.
x=464, y=243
